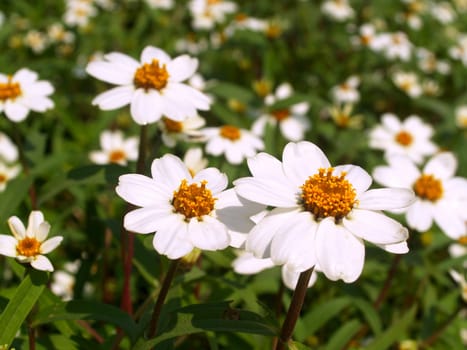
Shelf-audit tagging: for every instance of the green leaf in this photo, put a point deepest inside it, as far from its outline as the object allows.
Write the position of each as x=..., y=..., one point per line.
x=393, y=333
x=87, y=310
x=21, y=304
x=370, y=314
x=343, y=335
x=12, y=197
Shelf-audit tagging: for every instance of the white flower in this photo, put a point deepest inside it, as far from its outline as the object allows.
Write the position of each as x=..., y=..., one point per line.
x=7, y=173
x=459, y=50
x=160, y=4
x=194, y=160
x=187, y=130
x=235, y=143
x=292, y=120
x=461, y=116
x=36, y=41
x=115, y=148
x=347, y=91
x=58, y=34
x=207, y=13
x=367, y=37
x=28, y=245
x=22, y=92
x=410, y=137
x=182, y=209
x=340, y=10
x=396, y=45
x=247, y=264
x=8, y=150
x=321, y=215
x=408, y=82
x=152, y=87
x=461, y=281
x=440, y=196
x=428, y=62
x=443, y=12
x=78, y=12
x=63, y=281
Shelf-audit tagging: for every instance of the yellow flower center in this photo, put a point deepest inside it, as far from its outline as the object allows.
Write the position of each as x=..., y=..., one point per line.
x=172, y=125
x=404, y=138
x=462, y=240
x=193, y=200
x=9, y=90
x=28, y=246
x=151, y=76
x=281, y=114
x=117, y=156
x=3, y=178
x=230, y=132
x=428, y=187
x=324, y=195
x=213, y=2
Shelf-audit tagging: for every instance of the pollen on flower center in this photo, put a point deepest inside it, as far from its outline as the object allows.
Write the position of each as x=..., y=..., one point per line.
x=462, y=240
x=324, y=195
x=117, y=156
x=172, y=125
x=3, y=178
x=230, y=132
x=9, y=90
x=428, y=187
x=281, y=114
x=28, y=247
x=194, y=200
x=404, y=138
x=151, y=76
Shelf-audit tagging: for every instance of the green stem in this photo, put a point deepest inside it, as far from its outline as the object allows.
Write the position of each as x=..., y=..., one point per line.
x=161, y=298
x=294, y=309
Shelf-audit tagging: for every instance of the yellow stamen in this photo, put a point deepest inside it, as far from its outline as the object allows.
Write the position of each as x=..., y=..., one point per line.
x=172, y=125
x=428, y=187
x=3, y=178
x=151, y=76
x=404, y=138
x=281, y=114
x=230, y=132
x=193, y=200
x=326, y=195
x=462, y=240
x=117, y=156
x=9, y=90
x=28, y=246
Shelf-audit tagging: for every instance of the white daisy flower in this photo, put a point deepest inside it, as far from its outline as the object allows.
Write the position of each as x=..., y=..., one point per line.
x=187, y=130
x=396, y=45
x=28, y=245
x=440, y=196
x=36, y=41
x=8, y=150
x=292, y=120
x=321, y=214
x=347, y=91
x=79, y=12
x=22, y=93
x=206, y=13
x=7, y=173
x=194, y=160
x=367, y=37
x=410, y=137
x=340, y=10
x=115, y=149
x=152, y=87
x=236, y=144
x=408, y=82
x=185, y=211
x=461, y=116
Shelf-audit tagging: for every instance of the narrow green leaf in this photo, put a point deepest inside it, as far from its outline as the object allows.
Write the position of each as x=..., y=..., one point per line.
x=370, y=314
x=21, y=304
x=343, y=335
x=12, y=197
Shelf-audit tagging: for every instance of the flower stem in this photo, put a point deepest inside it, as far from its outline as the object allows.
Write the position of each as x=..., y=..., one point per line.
x=127, y=238
x=294, y=309
x=161, y=298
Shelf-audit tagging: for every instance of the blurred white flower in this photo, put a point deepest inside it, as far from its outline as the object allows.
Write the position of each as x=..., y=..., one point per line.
x=440, y=196
x=8, y=150
x=428, y=62
x=63, y=281
x=461, y=116
x=22, y=92
x=28, y=245
x=408, y=82
x=115, y=148
x=187, y=130
x=340, y=10
x=153, y=87
x=347, y=91
x=236, y=144
x=459, y=50
x=7, y=173
x=36, y=41
x=442, y=12
x=321, y=214
x=160, y=4
x=58, y=34
x=395, y=45
x=207, y=13
x=459, y=249
x=79, y=12
x=368, y=38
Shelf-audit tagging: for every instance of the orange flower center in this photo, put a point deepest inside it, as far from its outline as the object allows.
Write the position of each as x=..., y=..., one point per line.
x=9, y=90
x=462, y=240
x=428, y=187
x=28, y=247
x=172, y=125
x=151, y=76
x=280, y=114
x=117, y=156
x=230, y=132
x=193, y=200
x=404, y=138
x=325, y=195
x=3, y=178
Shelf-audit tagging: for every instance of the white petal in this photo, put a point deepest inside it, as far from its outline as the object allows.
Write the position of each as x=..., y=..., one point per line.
x=340, y=254
x=124, y=61
x=25, y=76
x=356, y=175
x=42, y=263
x=375, y=227
x=35, y=219
x=150, y=53
x=290, y=277
x=37, y=103
x=268, y=192
x=447, y=219
x=293, y=129
x=216, y=181
x=420, y=216
x=396, y=248
x=247, y=264
x=386, y=199
x=443, y=165
x=111, y=72
x=172, y=239
x=140, y=190
x=114, y=98
x=148, y=219
x=8, y=246
x=146, y=107
x=208, y=234
x=51, y=244
x=17, y=227
x=16, y=112
x=42, y=231
x=170, y=171
x=40, y=88
x=181, y=68
x=283, y=91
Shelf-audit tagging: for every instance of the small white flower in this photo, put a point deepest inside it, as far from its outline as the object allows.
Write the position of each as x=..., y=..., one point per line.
x=185, y=211
x=443, y=12
x=410, y=137
x=347, y=91
x=58, y=34
x=7, y=173
x=8, y=150
x=292, y=121
x=340, y=10
x=396, y=45
x=78, y=12
x=321, y=214
x=22, y=93
x=206, y=13
x=236, y=144
x=28, y=245
x=36, y=41
x=160, y=4
x=187, y=130
x=461, y=116
x=153, y=87
x=408, y=82
x=428, y=62
x=194, y=160
x=440, y=196
x=115, y=148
